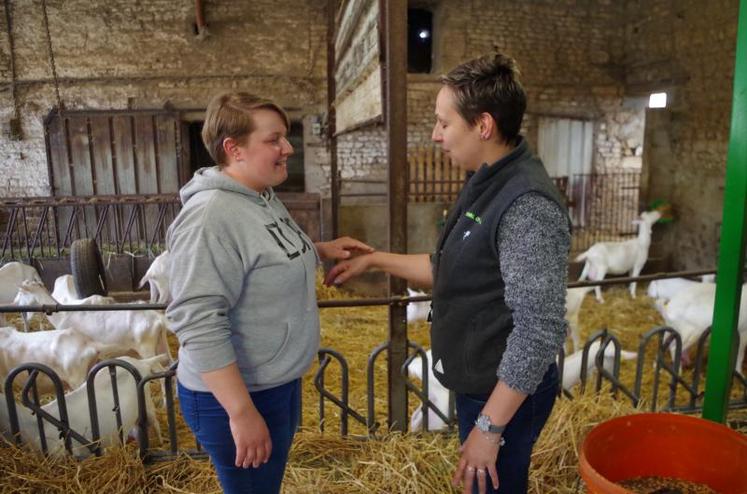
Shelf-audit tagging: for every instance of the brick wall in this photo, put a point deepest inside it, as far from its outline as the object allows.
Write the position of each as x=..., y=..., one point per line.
x=571, y=55
x=121, y=54
x=592, y=59
x=688, y=49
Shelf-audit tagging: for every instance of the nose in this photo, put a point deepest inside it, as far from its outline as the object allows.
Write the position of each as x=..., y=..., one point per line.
x=436, y=134
x=287, y=148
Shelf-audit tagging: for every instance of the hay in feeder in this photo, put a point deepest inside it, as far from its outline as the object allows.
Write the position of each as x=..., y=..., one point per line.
x=391, y=462
x=388, y=463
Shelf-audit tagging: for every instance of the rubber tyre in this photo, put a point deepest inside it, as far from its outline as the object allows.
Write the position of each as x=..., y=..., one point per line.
x=87, y=267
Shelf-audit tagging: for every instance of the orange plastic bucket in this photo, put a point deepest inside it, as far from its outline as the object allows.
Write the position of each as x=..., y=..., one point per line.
x=664, y=445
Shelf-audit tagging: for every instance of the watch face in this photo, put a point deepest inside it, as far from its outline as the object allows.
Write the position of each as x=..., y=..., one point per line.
x=483, y=422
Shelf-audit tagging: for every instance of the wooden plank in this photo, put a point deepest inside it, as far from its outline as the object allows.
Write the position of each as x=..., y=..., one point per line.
x=124, y=172
x=145, y=155
x=102, y=156
x=82, y=173
x=125, y=177
x=103, y=168
x=168, y=175
x=184, y=158
x=413, y=175
x=146, y=162
x=166, y=126
x=422, y=163
x=61, y=181
x=80, y=154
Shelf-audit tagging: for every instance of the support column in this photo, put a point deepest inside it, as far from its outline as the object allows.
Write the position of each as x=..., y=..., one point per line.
x=395, y=111
x=731, y=250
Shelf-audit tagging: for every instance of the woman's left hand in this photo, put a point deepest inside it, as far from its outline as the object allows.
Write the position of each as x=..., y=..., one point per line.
x=479, y=455
x=342, y=248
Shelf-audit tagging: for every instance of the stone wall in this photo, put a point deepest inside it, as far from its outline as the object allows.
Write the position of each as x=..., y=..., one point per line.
x=686, y=48
x=591, y=59
x=571, y=55
x=120, y=54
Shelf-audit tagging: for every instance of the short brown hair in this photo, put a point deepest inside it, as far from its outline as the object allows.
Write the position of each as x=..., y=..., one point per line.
x=489, y=84
x=230, y=115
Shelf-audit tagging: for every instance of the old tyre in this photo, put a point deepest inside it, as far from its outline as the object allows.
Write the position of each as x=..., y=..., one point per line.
x=87, y=268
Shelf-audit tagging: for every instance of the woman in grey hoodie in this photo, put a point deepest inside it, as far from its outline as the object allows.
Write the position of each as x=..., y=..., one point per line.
x=244, y=296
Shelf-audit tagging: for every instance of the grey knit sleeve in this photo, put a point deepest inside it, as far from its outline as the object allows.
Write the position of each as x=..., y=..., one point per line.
x=533, y=242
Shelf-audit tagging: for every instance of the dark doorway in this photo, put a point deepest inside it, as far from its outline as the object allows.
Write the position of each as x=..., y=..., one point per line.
x=296, y=178
x=419, y=40
x=198, y=154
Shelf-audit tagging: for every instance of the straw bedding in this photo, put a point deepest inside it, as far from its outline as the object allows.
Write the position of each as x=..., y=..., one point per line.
x=387, y=463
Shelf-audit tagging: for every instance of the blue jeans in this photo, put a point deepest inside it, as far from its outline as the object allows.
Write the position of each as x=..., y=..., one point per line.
x=279, y=406
x=520, y=434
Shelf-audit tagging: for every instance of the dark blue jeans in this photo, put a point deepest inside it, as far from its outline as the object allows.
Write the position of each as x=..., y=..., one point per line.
x=521, y=432
x=279, y=406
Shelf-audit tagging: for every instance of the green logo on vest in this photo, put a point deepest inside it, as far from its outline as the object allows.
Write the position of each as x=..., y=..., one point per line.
x=473, y=217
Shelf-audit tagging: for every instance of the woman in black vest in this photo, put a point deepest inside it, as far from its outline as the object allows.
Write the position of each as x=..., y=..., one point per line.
x=498, y=277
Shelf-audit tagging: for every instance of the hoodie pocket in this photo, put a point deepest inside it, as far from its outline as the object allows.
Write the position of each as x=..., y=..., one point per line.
x=267, y=354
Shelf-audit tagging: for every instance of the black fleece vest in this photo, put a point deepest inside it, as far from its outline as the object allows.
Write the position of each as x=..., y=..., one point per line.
x=470, y=319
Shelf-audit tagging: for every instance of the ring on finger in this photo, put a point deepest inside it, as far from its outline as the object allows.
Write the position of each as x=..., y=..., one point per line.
x=470, y=469
x=481, y=471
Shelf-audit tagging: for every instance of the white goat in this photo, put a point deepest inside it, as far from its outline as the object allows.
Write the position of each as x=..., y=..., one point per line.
x=78, y=411
x=417, y=311
x=69, y=353
x=436, y=394
x=142, y=331
x=574, y=297
x=572, y=363
x=65, y=293
x=664, y=290
x=628, y=256
x=690, y=313
x=157, y=278
x=11, y=277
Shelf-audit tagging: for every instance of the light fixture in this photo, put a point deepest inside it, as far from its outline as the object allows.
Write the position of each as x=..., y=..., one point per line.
x=424, y=34
x=657, y=100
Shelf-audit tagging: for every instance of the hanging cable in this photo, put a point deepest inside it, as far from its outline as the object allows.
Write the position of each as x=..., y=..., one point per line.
x=51, y=56
x=15, y=121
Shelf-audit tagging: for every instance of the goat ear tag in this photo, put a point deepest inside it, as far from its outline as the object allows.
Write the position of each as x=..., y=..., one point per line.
x=439, y=367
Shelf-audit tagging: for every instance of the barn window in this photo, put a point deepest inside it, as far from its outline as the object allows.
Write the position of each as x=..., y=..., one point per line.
x=657, y=100
x=419, y=40
x=566, y=148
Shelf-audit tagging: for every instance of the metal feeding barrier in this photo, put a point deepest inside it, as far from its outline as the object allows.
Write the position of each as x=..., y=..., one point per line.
x=659, y=352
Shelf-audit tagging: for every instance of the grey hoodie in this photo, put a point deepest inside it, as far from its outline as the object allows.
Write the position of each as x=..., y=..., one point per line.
x=243, y=285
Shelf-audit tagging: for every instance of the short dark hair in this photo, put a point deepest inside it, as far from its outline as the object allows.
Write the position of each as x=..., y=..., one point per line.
x=489, y=84
x=230, y=115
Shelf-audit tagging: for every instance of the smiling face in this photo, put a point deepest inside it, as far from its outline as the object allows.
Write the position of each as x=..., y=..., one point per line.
x=458, y=139
x=261, y=160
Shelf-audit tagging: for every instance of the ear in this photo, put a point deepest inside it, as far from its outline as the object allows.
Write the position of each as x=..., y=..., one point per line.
x=229, y=147
x=487, y=126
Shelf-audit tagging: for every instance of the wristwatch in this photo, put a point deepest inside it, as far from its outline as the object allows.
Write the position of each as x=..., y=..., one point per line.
x=484, y=423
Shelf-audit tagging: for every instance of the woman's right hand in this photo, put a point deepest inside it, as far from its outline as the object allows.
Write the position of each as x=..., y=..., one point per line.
x=251, y=437
x=344, y=270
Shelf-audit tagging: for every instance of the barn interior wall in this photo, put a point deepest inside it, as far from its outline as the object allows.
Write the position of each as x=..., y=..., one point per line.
x=570, y=55
x=119, y=54
x=579, y=59
x=688, y=49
